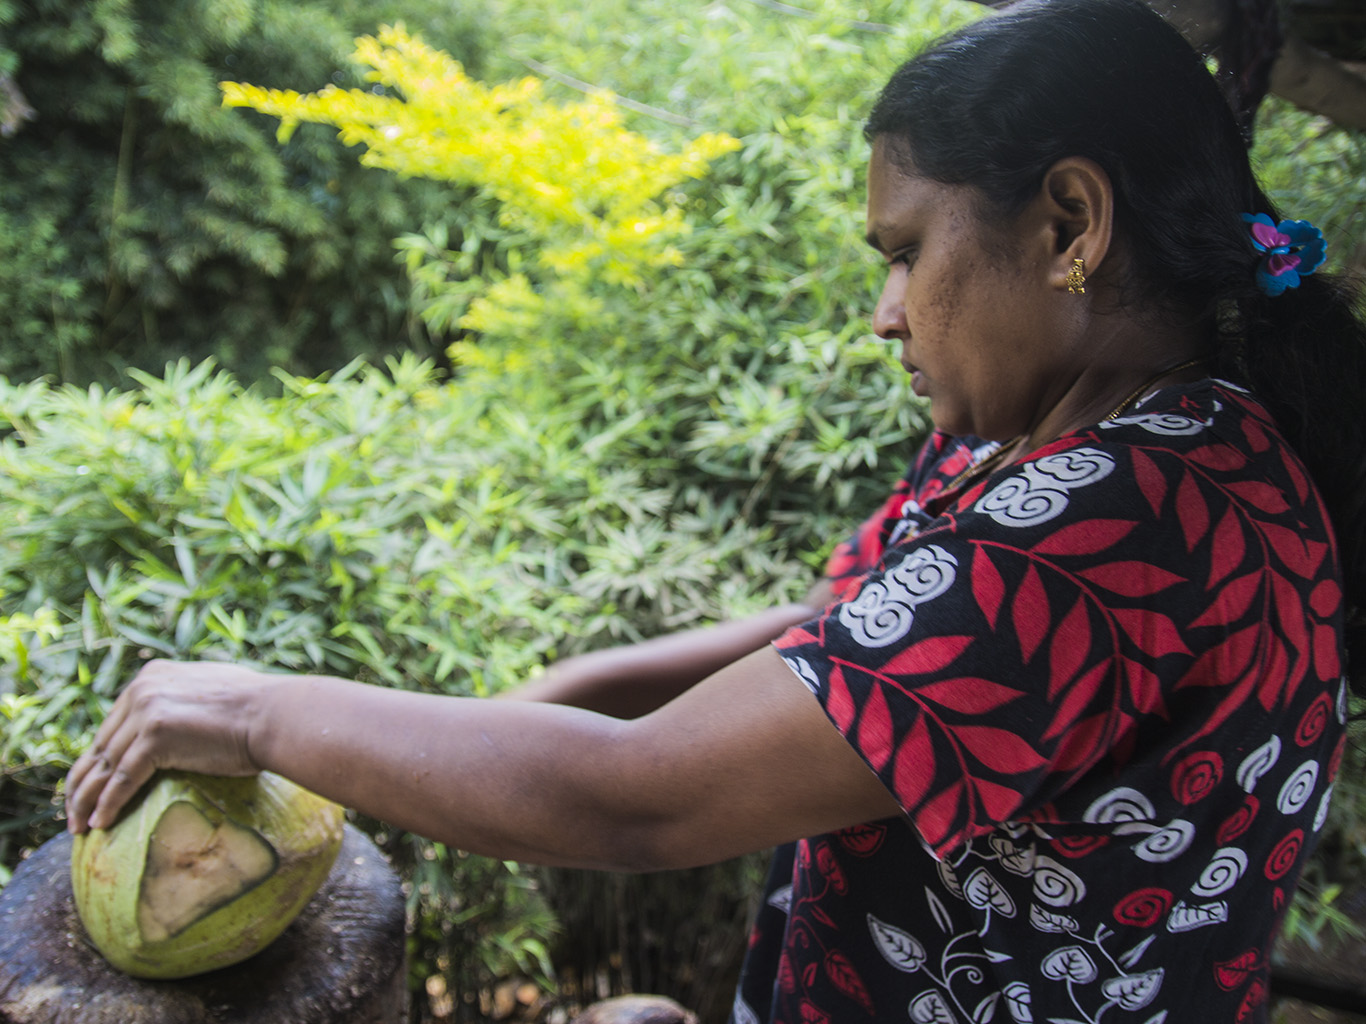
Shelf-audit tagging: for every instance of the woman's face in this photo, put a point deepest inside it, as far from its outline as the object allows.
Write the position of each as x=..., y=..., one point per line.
x=970, y=305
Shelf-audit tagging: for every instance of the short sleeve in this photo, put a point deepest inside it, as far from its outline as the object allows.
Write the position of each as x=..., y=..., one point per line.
x=939, y=460
x=1061, y=613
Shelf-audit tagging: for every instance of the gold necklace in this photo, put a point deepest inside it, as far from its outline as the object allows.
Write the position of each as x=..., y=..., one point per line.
x=985, y=466
x=989, y=463
x=1136, y=392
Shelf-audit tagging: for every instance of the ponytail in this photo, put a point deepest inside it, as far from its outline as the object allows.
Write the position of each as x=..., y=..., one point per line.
x=1303, y=354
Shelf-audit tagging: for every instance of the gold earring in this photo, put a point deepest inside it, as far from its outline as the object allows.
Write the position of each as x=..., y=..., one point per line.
x=1076, y=277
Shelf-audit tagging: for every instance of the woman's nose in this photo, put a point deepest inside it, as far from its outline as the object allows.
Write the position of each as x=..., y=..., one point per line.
x=889, y=316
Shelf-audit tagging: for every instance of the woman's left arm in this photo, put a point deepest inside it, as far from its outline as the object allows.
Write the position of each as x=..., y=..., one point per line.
x=742, y=761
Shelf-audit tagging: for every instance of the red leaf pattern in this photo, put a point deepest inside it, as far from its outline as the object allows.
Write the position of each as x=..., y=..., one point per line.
x=1259, y=494
x=914, y=765
x=1152, y=482
x=1154, y=633
x=1086, y=538
x=987, y=586
x=1030, y=614
x=1191, y=510
x=1232, y=601
x=968, y=696
x=875, y=730
x=863, y=840
x=1229, y=548
x=1068, y=647
x=847, y=980
x=927, y=656
x=1131, y=579
x=998, y=749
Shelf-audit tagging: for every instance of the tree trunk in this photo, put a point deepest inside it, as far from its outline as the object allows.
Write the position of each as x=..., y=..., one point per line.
x=340, y=962
x=1309, y=78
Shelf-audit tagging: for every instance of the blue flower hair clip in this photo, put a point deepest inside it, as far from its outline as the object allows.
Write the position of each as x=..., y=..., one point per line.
x=1291, y=250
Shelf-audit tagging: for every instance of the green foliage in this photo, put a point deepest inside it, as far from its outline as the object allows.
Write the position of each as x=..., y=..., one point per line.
x=139, y=221
x=749, y=362
x=376, y=526
x=1315, y=171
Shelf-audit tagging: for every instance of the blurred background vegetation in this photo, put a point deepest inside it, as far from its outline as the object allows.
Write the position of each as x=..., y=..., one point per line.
x=261, y=401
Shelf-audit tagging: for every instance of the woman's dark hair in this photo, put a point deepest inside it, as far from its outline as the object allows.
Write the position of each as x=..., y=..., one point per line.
x=996, y=104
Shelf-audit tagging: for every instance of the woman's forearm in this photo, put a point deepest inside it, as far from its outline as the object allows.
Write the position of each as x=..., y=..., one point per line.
x=489, y=777
x=630, y=681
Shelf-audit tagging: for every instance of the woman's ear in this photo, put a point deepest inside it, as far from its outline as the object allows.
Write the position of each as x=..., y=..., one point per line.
x=1077, y=204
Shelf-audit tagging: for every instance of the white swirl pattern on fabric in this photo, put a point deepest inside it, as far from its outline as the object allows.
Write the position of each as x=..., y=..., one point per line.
x=1321, y=815
x=1038, y=492
x=804, y=671
x=1120, y=805
x=1056, y=885
x=1166, y=843
x=1222, y=872
x=1167, y=424
x=1298, y=789
x=1258, y=763
x=884, y=609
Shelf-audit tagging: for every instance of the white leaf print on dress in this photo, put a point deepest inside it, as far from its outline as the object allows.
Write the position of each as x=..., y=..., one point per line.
x=1185, y=918
x=1018, y=1001
x=930, y=1008
x=884, y=609
x=1038, y=491
x=985, y=1011
x=1295, y=794
x=985, y=893
x=1070, y=963
x=1134, y=955
x=782, y=899
x=740, y=1012
x=1016, y=858
x=941, y=916
x=1222, y=873
x=950, y=880
x=1258, y=763
x=1048, y=921
x=898, y=948
x=1133, y=991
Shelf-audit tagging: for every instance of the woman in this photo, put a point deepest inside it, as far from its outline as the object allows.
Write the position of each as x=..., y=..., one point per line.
x=1078, y=687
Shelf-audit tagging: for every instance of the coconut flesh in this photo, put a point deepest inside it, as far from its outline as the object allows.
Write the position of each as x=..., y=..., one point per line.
x=202, y=872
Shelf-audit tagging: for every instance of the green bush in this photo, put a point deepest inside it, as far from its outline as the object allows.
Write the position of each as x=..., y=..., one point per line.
x=140, y=222
x=375, y=526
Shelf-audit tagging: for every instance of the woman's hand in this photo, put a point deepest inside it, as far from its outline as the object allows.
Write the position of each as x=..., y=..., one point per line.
x=195, y=717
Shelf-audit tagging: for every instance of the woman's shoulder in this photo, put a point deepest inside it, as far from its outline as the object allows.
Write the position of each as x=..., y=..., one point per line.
x=1211, y=427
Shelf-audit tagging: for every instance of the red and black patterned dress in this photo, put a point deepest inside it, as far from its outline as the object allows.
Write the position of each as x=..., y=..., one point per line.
x=1105, y=684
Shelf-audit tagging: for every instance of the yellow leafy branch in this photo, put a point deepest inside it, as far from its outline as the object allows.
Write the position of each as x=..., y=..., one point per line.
x=568, y=173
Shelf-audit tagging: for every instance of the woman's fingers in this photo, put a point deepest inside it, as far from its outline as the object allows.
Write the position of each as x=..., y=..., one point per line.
x=187, y=716
x=92, y=770
x=115, y=785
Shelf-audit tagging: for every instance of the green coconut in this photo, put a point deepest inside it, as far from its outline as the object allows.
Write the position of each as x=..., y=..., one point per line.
x=202, y=872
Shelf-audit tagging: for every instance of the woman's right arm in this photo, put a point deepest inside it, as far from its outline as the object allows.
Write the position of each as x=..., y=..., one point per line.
x=613, y=681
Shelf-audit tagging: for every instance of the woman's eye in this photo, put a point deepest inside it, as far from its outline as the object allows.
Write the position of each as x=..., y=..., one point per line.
x=902, y=257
